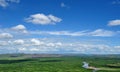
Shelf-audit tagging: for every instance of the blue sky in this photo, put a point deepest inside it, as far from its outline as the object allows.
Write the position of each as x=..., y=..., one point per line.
x=60, y=26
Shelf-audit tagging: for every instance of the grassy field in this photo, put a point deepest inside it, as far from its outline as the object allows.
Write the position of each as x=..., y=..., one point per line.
x=25, y=63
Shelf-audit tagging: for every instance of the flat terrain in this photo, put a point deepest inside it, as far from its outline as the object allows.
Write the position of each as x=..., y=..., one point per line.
x=58, y=63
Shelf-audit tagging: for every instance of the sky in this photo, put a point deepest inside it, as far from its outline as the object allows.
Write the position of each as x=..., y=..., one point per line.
x=60, y=26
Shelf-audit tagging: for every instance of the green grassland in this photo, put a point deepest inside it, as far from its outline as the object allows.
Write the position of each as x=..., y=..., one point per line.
x=25, y=63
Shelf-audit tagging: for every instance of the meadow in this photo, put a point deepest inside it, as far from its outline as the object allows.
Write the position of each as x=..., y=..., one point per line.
x=26, y=63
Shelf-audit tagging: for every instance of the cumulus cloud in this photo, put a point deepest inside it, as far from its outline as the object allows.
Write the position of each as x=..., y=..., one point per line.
x=5, y=3
x=22, y=49
x=36, y=41
x=50, y=44
x=33, y=44
x=6, y=35
x=34, y=49
x=20, y=28
x=54, y=46
x=43, y=19
x=18, y=42
x=114, y=22
x=58, y=44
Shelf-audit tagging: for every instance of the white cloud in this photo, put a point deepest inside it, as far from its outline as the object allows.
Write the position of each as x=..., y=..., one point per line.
x=5, y=3
x=34, y=49
x=64, y=33
x=5, y=35
x=59, y=44
x=63, y=5
x=36, y=42
x=18, y=42
x=54, y=19
x=50, y=44
x=114, y=22
x=102, y=33
x=20, y=28
x=67, y=33
x=3, y=43
x=54, y=46
x=98, y=32
x=117, y=47
x=43, y=19
x=22, y=49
